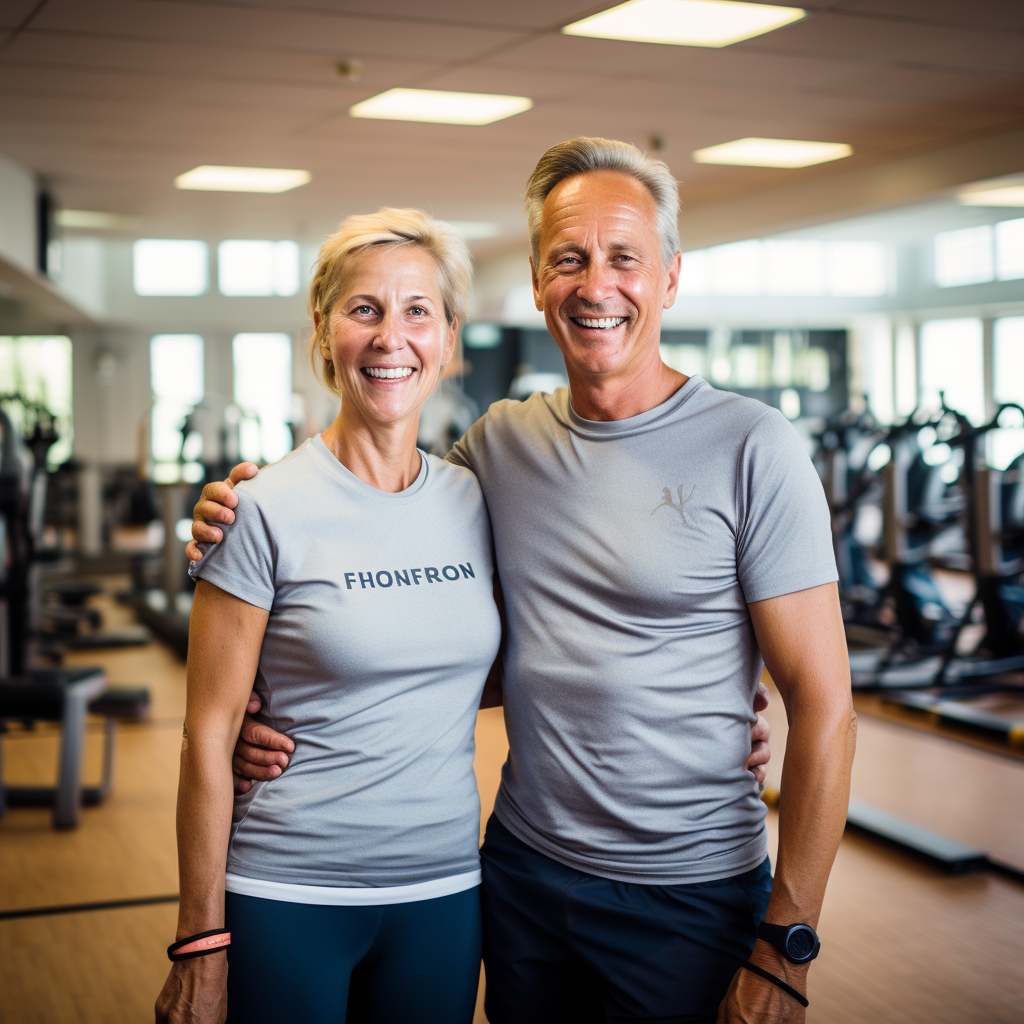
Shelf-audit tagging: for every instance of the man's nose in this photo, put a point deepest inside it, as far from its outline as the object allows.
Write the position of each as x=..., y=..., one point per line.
x=596, y=285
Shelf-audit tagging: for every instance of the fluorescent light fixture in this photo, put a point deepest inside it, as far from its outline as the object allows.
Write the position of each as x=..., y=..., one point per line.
x=210, y=178
x=685, y=22
x=440, y=107
x=1006, y=195
x=754, y=152
x=475, y=230
x=169, y=266
x=93, y=220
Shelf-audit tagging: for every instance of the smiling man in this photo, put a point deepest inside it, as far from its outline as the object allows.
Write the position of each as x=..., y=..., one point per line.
x=655, y=540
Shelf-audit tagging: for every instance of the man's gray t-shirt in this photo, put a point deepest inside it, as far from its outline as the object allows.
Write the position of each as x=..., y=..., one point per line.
x=628, y=552
x=382, y=630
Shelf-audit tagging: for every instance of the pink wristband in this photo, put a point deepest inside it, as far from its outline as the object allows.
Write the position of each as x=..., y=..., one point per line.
x=199, y=945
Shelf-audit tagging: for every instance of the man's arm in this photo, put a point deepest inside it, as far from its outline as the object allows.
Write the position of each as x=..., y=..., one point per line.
x=803, y=643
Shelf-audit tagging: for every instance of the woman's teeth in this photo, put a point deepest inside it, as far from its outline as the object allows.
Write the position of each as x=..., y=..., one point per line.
x=390, y=373
x=603, y=324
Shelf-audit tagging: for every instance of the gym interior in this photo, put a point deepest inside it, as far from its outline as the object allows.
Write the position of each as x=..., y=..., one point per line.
x=852, y=235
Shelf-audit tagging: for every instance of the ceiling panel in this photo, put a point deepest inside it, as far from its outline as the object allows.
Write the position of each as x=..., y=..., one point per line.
x=231, y=28
x=14, y=12
x=885, y=41
x=523, y=14
x=1006, y=15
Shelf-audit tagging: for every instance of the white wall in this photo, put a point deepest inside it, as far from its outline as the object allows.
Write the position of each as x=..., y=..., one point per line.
x=17, y=214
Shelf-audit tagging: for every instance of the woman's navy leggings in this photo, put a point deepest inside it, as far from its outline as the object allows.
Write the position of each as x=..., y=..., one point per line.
x=292, y=962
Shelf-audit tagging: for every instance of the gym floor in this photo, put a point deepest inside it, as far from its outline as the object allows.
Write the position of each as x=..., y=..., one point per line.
x=902, y=941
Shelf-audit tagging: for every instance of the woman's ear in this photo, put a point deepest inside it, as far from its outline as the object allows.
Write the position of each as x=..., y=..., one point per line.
x=450, y=343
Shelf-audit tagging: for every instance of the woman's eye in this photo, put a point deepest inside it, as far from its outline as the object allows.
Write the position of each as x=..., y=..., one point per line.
x=363, y=310
x=418, y=311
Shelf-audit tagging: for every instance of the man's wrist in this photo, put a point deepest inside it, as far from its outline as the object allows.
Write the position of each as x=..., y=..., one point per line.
x=767, y=956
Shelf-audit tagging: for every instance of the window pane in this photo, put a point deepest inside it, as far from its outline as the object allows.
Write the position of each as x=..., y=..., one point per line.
x=39, y=370
x=1009, y=359
x=166, y=266
x=964, y=256
x=736, y=269
x=794, y=266
x=1010, y=249
x=176, y=377
x=257, y=268
x=951, y=362
x=694, y=274
x=263, y=391
x=857, y=269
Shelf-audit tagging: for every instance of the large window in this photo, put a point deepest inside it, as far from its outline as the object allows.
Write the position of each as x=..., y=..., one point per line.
x=257, y=268
x=35, y=372
x=787, y=266
x=176, y=374
x=980, y=254
x=951, y=363
x=1008, y=352
x=263, y=393
x=170, y=266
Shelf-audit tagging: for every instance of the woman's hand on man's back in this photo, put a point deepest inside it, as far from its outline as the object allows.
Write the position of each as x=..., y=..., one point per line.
x=214, y=506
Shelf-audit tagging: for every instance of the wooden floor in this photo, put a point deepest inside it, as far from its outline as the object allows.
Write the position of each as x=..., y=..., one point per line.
x=902, y=943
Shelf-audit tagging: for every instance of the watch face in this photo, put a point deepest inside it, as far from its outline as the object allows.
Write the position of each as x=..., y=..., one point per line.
x=800, y=943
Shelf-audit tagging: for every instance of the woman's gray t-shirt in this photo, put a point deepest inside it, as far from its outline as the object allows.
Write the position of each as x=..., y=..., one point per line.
x=382, y=629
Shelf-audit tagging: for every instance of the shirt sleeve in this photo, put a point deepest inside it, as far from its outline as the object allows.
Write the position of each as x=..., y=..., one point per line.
x=462, y=451
x=785, y=536
x=243, y=563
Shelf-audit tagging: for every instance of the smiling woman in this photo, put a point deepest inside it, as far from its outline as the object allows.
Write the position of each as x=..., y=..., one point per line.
x=353, y=533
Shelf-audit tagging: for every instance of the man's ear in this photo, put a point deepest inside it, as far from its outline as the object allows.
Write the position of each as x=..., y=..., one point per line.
x=673, y=281
x=536, y=286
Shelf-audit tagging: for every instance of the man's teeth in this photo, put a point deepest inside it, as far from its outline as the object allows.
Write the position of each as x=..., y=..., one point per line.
x=603, y=324
x=389, y=373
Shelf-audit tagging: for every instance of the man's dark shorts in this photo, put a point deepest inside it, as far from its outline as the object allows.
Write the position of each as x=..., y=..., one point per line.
x=565, y=947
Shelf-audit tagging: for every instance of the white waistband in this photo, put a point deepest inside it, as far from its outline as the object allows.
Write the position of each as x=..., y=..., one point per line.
x=362, y=896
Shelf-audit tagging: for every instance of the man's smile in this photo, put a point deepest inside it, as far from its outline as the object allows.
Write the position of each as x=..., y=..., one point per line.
x=603, y=323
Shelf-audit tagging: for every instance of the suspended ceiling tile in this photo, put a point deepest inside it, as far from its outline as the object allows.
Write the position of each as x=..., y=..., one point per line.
x=1005, y=15
x=190, y=24
x=522, y=15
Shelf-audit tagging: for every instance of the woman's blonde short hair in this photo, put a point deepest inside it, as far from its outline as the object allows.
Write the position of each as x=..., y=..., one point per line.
x=387, y=227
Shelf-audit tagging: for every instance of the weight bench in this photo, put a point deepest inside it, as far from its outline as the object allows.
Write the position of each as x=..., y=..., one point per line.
x=66, y=696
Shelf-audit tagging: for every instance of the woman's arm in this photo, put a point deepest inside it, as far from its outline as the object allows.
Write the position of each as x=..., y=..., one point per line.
x=225, y=636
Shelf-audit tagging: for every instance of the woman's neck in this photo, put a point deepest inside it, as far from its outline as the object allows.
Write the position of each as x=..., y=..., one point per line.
x=383, y=456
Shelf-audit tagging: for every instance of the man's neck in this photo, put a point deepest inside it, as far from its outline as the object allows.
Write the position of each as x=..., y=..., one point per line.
x=619, y=398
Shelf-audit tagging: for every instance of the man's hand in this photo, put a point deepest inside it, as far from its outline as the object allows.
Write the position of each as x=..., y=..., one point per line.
x=261, y=753
x=760, y=733
x=752, y=999
x=214, y=506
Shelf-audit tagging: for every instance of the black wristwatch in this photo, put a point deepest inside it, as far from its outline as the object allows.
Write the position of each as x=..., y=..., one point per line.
x=798, y=943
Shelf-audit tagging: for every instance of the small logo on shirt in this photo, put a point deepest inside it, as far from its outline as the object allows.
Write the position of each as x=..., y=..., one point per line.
x=667, y=501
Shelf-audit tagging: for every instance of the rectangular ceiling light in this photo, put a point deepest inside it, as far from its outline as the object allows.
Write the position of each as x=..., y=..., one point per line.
x=1007, y=195
x=772, y=153
x=685, y=22
x=211, y=178
x=440, y=107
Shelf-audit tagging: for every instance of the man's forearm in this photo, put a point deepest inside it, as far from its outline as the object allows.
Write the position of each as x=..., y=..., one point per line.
x=815, y=795
x=205, y=795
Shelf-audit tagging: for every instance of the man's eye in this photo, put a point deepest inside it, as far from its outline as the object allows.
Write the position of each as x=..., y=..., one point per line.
x=568, y=260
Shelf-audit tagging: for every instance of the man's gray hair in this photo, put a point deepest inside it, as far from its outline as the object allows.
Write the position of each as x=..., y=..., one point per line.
x=582, y=155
